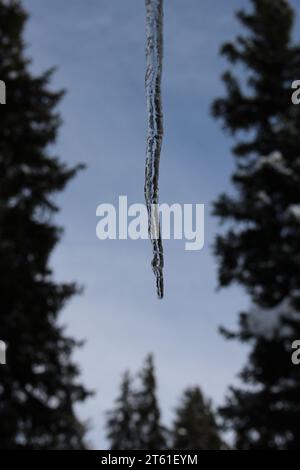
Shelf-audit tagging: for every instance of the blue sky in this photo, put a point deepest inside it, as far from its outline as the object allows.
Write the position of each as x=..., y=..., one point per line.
x=98, y=46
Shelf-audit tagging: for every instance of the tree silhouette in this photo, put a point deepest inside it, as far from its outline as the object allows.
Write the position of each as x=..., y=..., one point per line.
x=38, y=385
x=150, y=432
x=260, y=248
x=121, y=432
x=195, y=426
x=134, y=422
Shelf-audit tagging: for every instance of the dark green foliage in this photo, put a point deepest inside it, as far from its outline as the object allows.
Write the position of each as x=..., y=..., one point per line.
x=260, y=249
x=38, y=387
x=195, y=427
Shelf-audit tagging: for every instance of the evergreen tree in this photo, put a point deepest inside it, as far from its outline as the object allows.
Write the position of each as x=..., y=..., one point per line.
x=195, y=427
x=134, y=423
x=149, y=431
x=38, y=385
x=261, y=247
x=120, y=424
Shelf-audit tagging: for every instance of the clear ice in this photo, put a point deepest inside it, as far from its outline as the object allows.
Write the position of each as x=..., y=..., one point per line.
x=154, y=56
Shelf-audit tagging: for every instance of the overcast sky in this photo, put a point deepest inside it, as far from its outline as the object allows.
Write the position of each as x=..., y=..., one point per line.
x=98, y=46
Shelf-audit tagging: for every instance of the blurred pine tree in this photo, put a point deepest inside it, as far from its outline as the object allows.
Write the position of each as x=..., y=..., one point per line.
x=120, y=421
x=195, y=426
x=151, y=435
x=261, y=248
x=134, y=423
x=38, y=386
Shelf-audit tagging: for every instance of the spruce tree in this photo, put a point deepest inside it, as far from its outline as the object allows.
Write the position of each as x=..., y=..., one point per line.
x=261, y=244
x=38, y=385
x=195, y=426
x=150, y=433
x=120, y=423
x=134, y=423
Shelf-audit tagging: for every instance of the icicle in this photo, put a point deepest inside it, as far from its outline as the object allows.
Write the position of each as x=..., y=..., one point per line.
x=154, y=53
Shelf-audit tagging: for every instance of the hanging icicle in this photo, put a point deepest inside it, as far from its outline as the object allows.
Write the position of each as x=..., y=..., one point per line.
x=154, y=55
